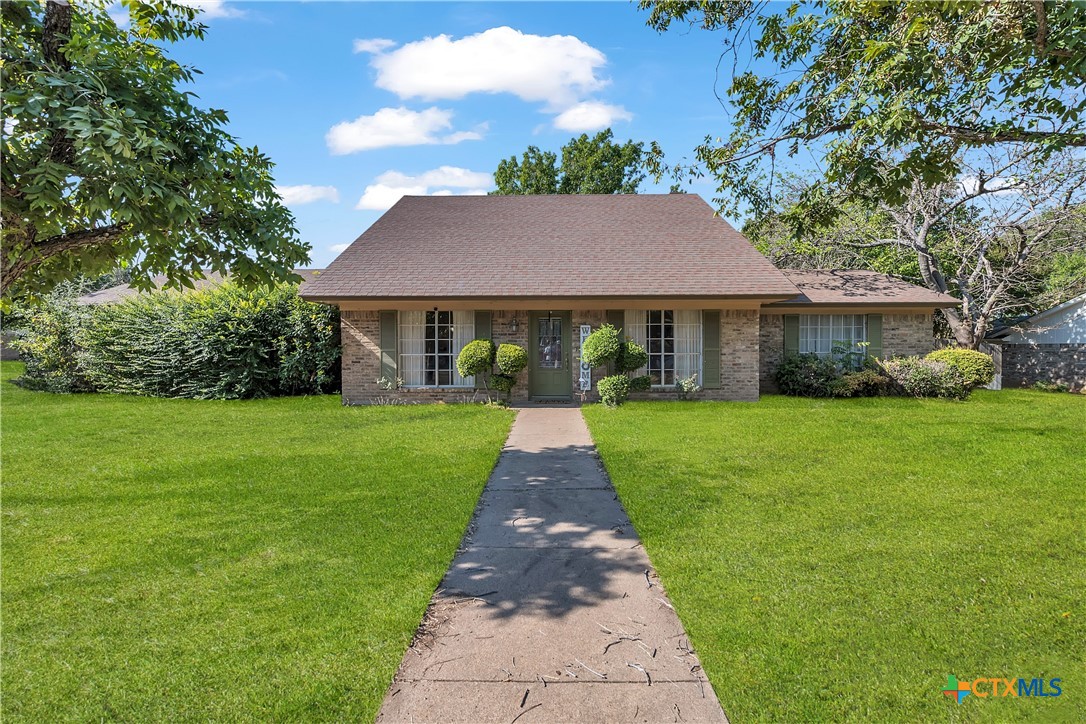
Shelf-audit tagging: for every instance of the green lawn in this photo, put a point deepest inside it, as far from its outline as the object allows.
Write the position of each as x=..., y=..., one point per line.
x=175, y=559
x=838, y=559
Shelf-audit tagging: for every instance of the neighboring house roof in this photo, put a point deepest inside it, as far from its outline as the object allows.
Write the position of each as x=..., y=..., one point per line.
x=1063, y=323
x=555, y=246
x=839, y=287
x=110, y=295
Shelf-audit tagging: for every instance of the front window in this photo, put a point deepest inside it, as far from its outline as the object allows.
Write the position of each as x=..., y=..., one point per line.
x=838, y=336
x=429, y=345
x=673, y=340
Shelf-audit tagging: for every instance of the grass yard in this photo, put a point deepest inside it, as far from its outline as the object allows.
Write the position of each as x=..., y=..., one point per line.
x=836, y=560
x=176, y=559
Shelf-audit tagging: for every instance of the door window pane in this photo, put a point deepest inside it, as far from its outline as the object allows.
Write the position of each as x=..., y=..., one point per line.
x=549, y=348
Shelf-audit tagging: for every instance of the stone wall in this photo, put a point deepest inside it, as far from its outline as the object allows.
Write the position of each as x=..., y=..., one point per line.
x=1024, y=364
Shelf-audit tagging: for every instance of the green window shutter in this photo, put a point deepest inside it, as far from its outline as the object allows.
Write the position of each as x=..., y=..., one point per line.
x=389, y=358
x=874, y=335
x=482, y=325
x=710, y=348
x=616, y=318
x=791, y=334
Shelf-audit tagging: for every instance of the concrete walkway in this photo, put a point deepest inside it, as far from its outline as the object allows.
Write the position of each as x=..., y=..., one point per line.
x=551, y=611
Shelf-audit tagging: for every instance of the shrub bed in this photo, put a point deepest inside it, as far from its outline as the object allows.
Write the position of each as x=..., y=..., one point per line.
x=809, y=375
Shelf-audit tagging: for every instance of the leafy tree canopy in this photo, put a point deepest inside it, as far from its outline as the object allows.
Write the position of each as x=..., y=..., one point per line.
x=885, y=93
x=107, y=161
x=596, y=165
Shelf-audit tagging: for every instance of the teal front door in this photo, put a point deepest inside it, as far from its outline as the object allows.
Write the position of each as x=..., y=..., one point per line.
x=549, y=374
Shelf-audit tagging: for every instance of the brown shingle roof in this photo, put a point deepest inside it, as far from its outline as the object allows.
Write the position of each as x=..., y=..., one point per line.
x=109, y=295
x=668, y=245
x=853, y=286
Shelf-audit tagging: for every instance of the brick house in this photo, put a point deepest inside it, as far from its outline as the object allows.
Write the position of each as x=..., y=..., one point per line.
x=433, y=273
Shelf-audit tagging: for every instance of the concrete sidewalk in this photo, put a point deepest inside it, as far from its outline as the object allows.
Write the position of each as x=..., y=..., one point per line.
x=551, y=611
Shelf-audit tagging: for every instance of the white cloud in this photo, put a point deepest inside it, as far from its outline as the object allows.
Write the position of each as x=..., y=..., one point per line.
x=390, y=186
x=307, y=194
x=555, y=69
x=373, y=45
x=379, y=197
x=213, y=8
x=998, y=185
x=451, y=176
x=590, y=116
x=396, y=127
x=337, y=248
x=469, y=192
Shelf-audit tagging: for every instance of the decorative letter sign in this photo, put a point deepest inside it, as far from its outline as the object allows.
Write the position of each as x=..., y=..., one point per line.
x=586, y=371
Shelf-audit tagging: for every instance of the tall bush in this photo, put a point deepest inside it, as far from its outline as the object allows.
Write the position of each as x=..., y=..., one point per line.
x=47, y=343
x=225, y=342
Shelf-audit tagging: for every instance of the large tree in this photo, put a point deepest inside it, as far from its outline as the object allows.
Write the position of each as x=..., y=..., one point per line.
x=1007, y=238
x=872, y=96
x=107, y=161
x=590, y=165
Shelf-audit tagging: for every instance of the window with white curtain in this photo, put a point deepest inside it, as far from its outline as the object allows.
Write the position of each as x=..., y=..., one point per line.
x=429, y=344
x=673, y=340
x=831, y=334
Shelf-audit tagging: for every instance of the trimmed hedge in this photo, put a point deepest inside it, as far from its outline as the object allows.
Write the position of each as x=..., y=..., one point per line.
x=977, y=368
x=223, y=343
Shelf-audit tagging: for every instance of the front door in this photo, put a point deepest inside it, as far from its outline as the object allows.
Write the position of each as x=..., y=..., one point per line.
x=549, y=373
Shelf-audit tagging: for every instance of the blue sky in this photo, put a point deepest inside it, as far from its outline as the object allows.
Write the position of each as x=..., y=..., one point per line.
x=357, y=103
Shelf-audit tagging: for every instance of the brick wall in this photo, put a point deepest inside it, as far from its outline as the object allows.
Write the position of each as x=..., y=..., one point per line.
x=1024, y=364
x=902, y=335
x=771, y=351
x=361, y=333
x=739, y=355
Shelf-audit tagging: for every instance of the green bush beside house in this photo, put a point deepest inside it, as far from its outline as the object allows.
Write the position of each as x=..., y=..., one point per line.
x=224, y=342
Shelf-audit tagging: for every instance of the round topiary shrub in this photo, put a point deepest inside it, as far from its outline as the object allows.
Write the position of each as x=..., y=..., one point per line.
x=614, y=390
x=475, y=358
x=641, y=384
x=631, y=357
x=512, y=358
x=977, y=368
x=502, y=383
x=601, y=347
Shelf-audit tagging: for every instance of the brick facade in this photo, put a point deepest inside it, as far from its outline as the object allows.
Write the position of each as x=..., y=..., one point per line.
x=1024, y=364
x=903, y=335
x=361, y=333
x=751, y=347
